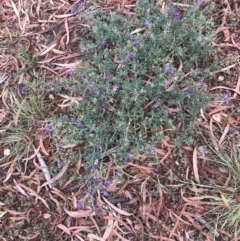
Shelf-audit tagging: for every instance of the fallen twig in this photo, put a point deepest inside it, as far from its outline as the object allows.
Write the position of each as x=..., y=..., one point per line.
x=44, y=167
x=208, y=226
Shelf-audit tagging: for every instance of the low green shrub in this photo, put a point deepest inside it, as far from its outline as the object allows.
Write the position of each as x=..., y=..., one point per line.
x=142, y=73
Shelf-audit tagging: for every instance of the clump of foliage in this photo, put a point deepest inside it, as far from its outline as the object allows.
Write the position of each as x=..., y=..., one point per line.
x=133, y=80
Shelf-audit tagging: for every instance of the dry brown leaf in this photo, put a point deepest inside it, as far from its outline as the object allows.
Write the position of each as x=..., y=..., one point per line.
x=226, y=35
x=46, y=215
x=80, y=213
x=217, y=118
x=212, y=137
x=147, y=169
x=138, y=30
x=231, y=120
x=69, y=66
x=20, y=189
x=234, y=42
x=32, y=156
x=57, y=177
x=224, y=134
x=64, y=15
x=33, y=193
x=195, y=165
x=64, y=228
x=224, y=200
x=47, y=49
x=42, y=146
x=224, y=69
x=3, y=114
x=109, y=228
x=238, y=83
x=10, y=170
x=116, y=209
x=237, y=196
x=28, y=237
x=161, y=152
x=2, y=214
x=67, y=30
x=93, y=236
x=226, y=88
x=18, y=113
x=221, y=28
x=141, y=158
x=43, y=167
x=218, y=109
x=15, y=9
x=79, y=237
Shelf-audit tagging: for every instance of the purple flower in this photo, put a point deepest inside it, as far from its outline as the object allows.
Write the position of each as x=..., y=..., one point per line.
x=106, y=87
x=47, y=89
x=60, y=164
x=119, y=174
x=97, y=93
x=49, y=129
x=99, y=143
x=148, y=23
x=59, y=84
x=105, y=193
x=176, y=14
x=80, y=206
x=70, y=72
x=90, y=51
x=83, y=46
x=79, y=124
x=135, y=40
x=97, y=180
x=129, y=157
x=79, y=3
x=170, y=69
x=108, y=182
x=103, y=42
x=61, y=144
x=226, y=98
x=148, y=10
x=149, y=32
x=103, y=104
x=94, y=207
x=90, y=85
x=167, y=84
x=191, y=91
x=23, y=89
x=110, y=78
x=124, y=58
x=152, y=151
x=199, y=2
x=91, y=193
x=75, y=9
x=122, y=101
x=92, y=168
x=201, y=84
x=131, y=55
x=115, y=88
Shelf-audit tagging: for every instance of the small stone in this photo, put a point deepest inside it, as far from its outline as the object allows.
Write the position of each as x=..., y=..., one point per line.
x=46, y=215
x=51, y=97
x=221, y=78
x=6, y=152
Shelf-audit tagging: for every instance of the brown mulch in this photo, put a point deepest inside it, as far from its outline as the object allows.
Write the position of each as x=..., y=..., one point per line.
x=156, y=203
